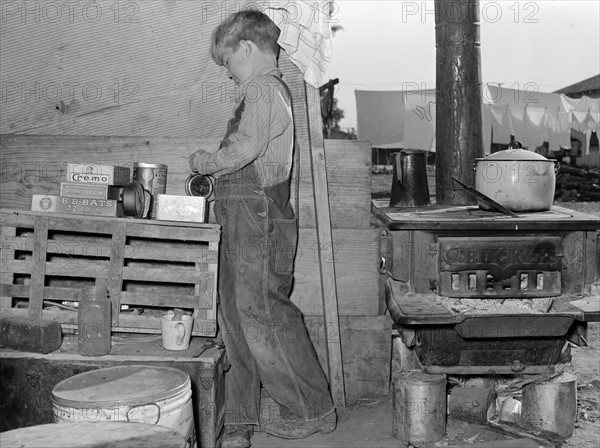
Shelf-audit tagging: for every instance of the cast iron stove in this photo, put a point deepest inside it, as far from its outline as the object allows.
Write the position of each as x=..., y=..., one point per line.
x=439, y=254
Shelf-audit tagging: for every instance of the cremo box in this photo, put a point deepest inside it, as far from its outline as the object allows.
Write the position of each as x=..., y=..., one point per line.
x=93, y=173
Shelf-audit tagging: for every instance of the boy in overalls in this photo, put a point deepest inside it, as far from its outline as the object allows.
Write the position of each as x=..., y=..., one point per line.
x=264, y=334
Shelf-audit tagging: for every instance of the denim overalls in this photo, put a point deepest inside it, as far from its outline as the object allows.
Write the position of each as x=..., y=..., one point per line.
x=263, y=331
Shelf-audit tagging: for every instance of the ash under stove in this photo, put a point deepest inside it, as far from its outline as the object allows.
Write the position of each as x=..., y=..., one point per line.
x=437, y=257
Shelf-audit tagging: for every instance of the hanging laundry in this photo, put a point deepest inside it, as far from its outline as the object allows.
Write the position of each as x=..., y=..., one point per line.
x=305, y=35
x=535, y=131
x=515, y=120
x=500, y=123
x=553, y=126
x=564, y=123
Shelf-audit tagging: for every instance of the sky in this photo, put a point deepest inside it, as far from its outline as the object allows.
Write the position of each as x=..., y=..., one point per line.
x=387, y=44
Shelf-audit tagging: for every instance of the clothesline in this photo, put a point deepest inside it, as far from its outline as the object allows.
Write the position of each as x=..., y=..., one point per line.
x=385, y=117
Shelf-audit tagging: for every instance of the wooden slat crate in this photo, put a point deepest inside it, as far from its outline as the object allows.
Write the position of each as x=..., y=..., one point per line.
x=151, y=266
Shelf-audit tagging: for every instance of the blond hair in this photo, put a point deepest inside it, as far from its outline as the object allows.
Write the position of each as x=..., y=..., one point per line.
x=248, y=24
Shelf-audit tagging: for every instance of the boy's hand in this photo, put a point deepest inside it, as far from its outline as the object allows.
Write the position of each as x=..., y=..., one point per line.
x=196, y=160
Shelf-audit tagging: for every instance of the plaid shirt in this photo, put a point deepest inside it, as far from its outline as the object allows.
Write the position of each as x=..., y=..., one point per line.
x=265, y=134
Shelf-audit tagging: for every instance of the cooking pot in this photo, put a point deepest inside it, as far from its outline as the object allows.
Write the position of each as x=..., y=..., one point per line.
x=520, y=180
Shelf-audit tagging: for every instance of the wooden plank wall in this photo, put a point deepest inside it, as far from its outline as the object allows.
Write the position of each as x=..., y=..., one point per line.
x=42, y=171
x=136, y=83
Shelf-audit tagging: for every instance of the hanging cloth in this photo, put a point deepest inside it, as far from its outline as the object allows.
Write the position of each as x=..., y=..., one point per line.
x=305, y=35
x=500, y=123
x=515, y=120
x=535, y=131
x=553, y=126
x=565, y=121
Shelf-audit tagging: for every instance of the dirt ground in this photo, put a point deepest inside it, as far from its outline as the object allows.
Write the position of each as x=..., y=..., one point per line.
x=369, y=423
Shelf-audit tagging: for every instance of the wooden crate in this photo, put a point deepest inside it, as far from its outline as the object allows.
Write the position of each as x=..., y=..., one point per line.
x=150, y=266
x=31, y=377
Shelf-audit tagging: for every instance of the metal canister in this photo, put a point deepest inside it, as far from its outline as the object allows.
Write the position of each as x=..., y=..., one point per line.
x=153, y=178
x=419, y=407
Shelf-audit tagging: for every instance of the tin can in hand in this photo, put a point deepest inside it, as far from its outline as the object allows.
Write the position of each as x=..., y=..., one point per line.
x=200, y=185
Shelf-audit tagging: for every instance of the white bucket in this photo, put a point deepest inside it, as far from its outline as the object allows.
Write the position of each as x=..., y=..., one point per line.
x=90, y=435
x=134, y=393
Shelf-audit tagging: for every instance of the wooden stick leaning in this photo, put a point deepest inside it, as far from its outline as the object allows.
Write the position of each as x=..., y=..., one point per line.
x=324, y=240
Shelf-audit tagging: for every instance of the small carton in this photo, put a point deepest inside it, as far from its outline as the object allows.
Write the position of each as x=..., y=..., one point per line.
x=180, y=208
x=92, y=191
x=93, y=173
x=76, y=206
x=43, y=203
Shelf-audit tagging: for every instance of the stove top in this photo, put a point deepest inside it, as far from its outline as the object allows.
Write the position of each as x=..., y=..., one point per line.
x=472, y=217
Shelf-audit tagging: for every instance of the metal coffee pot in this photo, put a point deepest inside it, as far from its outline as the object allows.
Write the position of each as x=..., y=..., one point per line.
x=409, y=183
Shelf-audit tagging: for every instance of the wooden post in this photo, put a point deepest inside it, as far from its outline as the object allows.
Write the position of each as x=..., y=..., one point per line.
x=325, y=247
x=459, y=139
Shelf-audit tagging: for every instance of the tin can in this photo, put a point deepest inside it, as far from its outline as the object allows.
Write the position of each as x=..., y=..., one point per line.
x=419, y=406
x=153, y=178
x=199, y=185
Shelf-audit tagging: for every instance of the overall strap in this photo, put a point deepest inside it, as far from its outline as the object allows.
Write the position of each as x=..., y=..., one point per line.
x=233, y=124
x=296, y=156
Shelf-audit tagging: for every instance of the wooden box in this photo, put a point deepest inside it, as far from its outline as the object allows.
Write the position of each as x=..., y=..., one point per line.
x=149, y=266
x=29, y=378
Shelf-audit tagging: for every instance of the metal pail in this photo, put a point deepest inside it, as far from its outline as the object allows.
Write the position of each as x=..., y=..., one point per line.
x=551, y=405
x=419, y=407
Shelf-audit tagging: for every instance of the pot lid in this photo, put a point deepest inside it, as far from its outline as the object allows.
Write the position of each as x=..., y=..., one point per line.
x=515, y=154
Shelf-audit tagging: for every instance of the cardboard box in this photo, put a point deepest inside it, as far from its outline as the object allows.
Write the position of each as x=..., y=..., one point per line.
x=87, y=190
x=180, y=208
x=76, y=206
x=93, y=173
